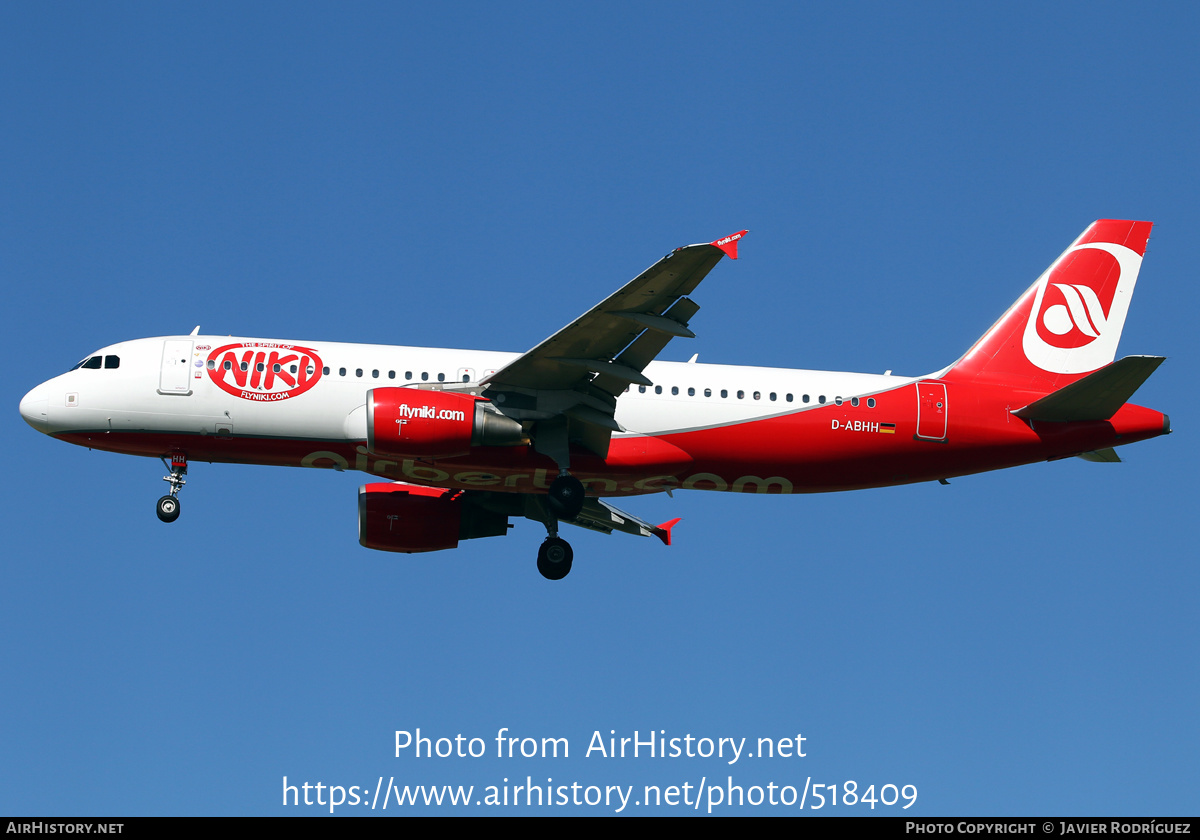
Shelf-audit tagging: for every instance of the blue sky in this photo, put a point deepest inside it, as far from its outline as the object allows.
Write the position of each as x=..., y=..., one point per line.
x=1021, y=642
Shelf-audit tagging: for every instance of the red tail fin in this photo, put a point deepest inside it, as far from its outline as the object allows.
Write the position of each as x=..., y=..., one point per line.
x=1068, y=323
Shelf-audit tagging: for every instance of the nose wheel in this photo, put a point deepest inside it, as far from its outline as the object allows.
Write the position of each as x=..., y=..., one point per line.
x=168, y=506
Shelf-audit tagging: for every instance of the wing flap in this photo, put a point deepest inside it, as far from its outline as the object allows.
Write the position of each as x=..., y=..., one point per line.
x=647, y=346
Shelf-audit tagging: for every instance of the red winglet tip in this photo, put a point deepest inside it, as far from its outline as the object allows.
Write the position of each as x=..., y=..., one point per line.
x=664, y=530
x=728, y=244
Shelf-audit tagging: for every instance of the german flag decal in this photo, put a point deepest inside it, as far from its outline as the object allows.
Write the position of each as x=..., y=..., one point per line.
x=887, y=428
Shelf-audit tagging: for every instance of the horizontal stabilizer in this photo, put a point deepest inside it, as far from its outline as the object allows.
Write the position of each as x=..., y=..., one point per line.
x=1097, y=396
x=1102, y=456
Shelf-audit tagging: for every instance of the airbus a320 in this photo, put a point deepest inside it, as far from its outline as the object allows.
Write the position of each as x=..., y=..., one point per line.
x=466, y=440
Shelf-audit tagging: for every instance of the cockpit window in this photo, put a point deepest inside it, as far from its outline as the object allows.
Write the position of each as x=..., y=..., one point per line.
x=97, y=362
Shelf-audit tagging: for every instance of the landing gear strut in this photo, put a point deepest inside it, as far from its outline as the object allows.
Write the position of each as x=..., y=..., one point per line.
x=564, y=501
x=168, y=506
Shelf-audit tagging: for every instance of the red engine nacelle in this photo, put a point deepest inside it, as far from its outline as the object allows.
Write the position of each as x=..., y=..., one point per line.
x=420, y=423
x=409, y=518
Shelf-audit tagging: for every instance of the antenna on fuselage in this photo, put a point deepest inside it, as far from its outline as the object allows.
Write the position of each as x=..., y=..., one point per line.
x=195, y=330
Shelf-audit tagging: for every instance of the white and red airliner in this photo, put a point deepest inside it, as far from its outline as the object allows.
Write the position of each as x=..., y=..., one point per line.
x=466, y=439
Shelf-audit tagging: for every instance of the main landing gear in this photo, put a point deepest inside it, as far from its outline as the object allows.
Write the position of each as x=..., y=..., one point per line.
x=564, y=501
x=566, y=496
x=554, y=558
x=168, y=506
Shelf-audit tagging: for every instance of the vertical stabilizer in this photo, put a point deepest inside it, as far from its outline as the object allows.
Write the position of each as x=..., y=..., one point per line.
x=1068, y=323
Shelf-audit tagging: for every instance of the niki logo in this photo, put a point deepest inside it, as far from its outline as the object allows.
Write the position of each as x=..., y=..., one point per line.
x=264, y=371
x=1079, y=308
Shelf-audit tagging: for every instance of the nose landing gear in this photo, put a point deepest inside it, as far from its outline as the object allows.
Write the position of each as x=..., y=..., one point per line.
x=168, y=506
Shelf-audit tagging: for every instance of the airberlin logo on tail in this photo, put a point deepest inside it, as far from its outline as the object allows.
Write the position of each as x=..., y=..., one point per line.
x=1082, y=313
x=264, y=371
x=1079, y=308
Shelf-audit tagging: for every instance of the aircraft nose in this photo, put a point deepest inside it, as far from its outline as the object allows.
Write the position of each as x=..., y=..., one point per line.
x=35, y=409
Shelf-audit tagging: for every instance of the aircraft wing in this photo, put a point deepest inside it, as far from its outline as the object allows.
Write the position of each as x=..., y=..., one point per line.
x=578, y=372
x=599, y=515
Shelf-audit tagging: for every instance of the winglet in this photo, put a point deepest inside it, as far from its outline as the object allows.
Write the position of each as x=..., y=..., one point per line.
x=663, y=531
x=728, y=244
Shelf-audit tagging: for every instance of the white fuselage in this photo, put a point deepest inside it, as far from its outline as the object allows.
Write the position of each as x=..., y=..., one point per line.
x=138, y=396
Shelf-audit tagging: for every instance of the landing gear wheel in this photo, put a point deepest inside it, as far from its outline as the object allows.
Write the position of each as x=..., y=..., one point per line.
x=566, y=496
x=168, y=508
x=554, y=558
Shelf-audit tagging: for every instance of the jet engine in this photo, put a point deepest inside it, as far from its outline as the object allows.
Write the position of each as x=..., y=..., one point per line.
x=418, y=423
x=409, y=518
